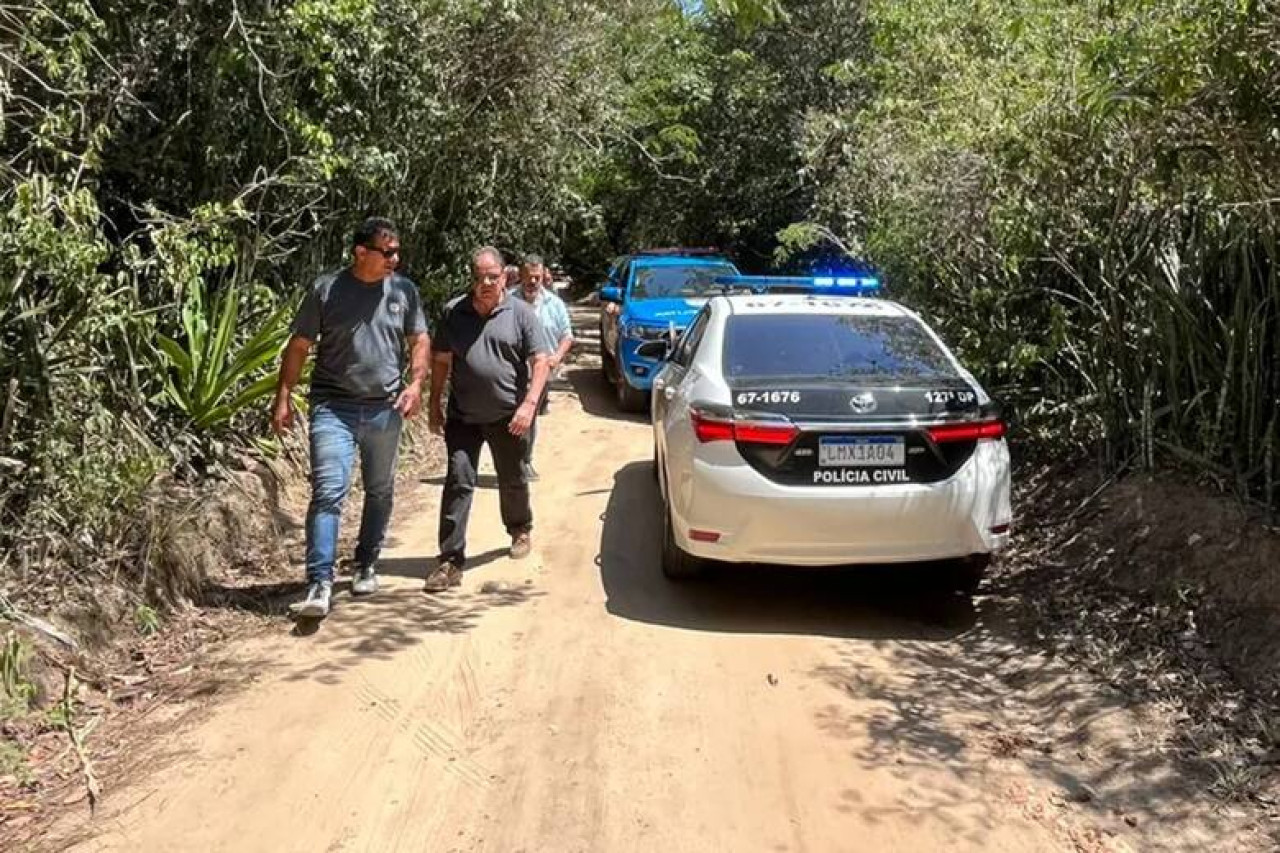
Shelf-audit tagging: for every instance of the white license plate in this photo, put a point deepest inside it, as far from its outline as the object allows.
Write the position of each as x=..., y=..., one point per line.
x=872, y=451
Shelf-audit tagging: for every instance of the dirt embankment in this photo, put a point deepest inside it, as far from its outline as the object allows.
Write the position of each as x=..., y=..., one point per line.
x=1172, y=594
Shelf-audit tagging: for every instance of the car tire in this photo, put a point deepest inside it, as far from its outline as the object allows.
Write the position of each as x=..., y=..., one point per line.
x=965, y=575
x=630, y=399
x=676, y=564
x=606, y=366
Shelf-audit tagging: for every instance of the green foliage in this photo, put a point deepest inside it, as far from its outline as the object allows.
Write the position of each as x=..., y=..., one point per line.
x=162, y=199
x=1083, y=196
x=212, y=380
x=736, y=84
x=146, y=620
x=13, y=762
x=16, y=689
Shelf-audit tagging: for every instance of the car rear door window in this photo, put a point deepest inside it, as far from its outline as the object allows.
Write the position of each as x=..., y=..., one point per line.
x=839, y=346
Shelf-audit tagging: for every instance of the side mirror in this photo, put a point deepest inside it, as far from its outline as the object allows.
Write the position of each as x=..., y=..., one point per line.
x=657, y=350
x=610, y=293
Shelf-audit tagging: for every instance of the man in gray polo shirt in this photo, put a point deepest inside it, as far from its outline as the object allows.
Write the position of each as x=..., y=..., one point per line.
x=361, y=320
x=493, y=352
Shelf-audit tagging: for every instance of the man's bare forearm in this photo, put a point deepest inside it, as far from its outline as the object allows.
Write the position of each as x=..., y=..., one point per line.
x=566, y=344
x=419, y=359
x=440, y=364
x=291, y=364
x=541, y=370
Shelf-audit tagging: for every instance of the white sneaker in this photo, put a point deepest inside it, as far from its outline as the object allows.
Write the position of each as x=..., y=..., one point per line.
x=365, y=581
x=316, y=605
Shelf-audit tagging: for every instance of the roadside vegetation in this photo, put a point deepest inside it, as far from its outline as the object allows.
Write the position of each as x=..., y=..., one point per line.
x=1084, y=197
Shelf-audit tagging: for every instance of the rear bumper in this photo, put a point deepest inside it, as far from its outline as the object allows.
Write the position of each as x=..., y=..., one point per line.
x=759, y=521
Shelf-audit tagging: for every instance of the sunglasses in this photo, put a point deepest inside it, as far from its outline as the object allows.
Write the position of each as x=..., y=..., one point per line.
x=386, y=253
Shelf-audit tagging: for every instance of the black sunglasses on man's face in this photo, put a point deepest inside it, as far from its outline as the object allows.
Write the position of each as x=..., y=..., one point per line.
x=386, y=253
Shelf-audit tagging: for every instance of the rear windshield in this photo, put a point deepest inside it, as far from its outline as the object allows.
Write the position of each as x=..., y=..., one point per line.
x=665, y=282
x=831, y=345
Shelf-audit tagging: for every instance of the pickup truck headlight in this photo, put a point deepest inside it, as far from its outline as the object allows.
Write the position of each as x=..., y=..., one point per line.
x=640, y=332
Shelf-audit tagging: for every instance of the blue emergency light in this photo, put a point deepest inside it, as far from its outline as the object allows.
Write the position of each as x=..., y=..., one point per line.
x=861, y=285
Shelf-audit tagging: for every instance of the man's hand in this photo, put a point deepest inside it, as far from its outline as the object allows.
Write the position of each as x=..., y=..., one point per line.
x=282, y=415
x=435, y=420
x=523, y=418
x=410, y=400
x=553, y=361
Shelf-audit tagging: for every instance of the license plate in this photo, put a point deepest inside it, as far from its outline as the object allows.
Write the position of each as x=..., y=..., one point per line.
x=873, y=451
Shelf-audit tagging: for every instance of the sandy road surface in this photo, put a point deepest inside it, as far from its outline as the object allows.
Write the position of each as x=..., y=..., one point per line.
x=576, y=701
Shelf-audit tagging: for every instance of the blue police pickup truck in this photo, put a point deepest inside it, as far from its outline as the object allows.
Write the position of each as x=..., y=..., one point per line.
x=651, y=295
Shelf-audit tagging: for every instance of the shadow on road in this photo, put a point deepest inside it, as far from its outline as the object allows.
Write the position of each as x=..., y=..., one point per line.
x=597, y=396
x=863, y=602
x=383, y=625
x=417, y=567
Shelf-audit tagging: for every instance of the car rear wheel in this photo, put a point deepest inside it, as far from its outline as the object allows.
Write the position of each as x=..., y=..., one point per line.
x=676, y=564
x=965, y=575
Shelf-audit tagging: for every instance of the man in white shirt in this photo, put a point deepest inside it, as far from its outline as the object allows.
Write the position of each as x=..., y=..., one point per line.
x=554, y=318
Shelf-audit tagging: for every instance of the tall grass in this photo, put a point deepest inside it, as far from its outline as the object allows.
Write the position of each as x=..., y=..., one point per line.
x=1184, y=353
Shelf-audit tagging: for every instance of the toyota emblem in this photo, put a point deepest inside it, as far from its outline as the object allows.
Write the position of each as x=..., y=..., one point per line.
x=863, y=404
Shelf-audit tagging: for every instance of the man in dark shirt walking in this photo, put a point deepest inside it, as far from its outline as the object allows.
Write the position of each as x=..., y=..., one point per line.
x=361, y=320
x=493, y=352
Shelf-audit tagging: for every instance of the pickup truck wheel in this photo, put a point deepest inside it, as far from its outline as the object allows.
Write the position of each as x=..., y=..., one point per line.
x=606, y=367
x=630, y=399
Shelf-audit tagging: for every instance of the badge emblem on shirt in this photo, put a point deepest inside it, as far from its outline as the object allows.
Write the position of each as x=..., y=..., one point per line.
x=395, y=307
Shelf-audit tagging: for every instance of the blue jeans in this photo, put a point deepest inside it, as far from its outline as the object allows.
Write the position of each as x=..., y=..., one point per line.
x=338, y=430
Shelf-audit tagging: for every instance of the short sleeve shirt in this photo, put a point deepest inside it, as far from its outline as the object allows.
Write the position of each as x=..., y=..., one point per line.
x=552, y=314
x=360, y=331
x=490, y=373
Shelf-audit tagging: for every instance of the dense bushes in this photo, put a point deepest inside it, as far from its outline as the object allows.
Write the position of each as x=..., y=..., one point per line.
x=172, y=173
x=1086, y=195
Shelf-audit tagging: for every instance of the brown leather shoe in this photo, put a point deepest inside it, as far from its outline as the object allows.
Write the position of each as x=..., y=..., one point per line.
x=443, y=576
x=521, y=545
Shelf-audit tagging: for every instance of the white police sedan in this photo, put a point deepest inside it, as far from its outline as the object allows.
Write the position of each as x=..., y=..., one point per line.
x=816, y=430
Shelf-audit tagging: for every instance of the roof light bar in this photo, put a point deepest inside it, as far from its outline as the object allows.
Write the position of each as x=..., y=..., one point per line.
x=865, y=285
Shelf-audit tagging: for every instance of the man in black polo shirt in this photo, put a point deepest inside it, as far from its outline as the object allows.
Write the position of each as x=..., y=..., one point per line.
x=493, y=351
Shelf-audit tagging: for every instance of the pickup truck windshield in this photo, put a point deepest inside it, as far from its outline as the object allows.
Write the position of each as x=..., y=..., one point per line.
x=673, y=282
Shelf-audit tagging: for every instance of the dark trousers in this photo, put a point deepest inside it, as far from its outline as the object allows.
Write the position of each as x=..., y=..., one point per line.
x=532, y=434
x=462, y=443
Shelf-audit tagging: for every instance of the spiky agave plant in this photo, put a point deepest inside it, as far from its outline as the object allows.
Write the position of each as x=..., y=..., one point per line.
x=211, y=380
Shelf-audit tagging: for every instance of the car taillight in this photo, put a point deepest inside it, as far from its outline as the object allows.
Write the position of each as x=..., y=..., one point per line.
x=708, y=428
x=974, y=431
x=754, y=432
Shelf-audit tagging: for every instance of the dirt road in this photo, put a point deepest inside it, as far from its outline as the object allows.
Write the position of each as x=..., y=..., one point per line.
x=576, y=701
